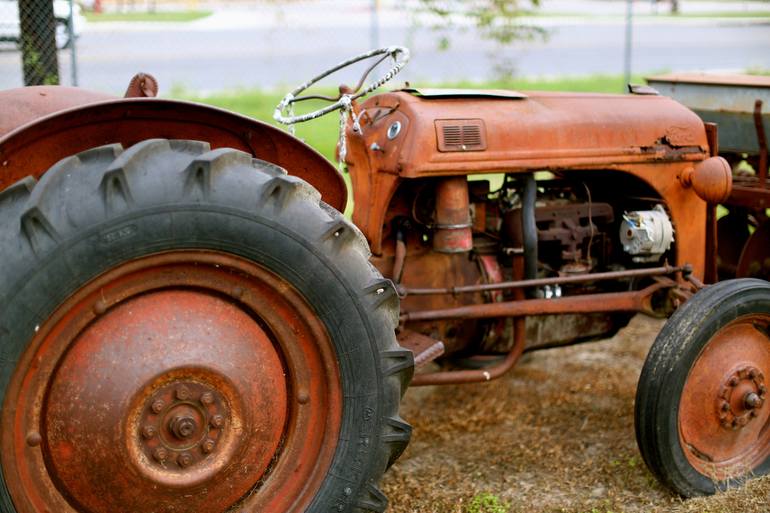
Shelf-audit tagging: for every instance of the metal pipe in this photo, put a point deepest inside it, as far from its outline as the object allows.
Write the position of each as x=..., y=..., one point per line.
x=452, y=233
x=481, y=375
x=540, y=282
x=400, y=256
x=633, y=301
x=762, y=143
x=73, y=46
x=529, y=227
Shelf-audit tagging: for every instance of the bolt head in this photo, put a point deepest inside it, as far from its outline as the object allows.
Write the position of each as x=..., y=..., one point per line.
x=160, y=454
x=752, y=401
x=183, y=393
x=733, y=381
x=185, y=459
x=100, y=307
x=752, y=373
x=207, y=446
x=762, y=389
x=34, y=439
x=158, y=405
x=148, y=431
x=725, y=406
x=217, y=421
x=207, y=398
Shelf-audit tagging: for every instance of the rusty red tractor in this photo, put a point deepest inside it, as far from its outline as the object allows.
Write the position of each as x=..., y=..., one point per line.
x=188, y=323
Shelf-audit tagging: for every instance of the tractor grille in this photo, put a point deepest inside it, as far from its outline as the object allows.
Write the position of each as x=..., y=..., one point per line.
x=461, y=135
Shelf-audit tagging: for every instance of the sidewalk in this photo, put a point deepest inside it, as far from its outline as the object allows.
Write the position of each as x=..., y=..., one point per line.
x=393, y=14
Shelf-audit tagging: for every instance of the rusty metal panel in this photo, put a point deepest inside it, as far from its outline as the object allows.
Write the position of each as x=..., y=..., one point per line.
x=543, y=131
x=33, y=148
x=727, y=100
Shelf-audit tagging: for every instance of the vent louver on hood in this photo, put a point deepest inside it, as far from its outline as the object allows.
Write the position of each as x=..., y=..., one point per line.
x=461, y=135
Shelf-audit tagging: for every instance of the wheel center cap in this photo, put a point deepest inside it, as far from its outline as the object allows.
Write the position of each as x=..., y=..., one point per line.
x=741, y=397
x=182, y=427
x=181, y=423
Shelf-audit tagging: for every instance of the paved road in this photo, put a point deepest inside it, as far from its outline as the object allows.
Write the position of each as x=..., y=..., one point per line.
x=245, y=48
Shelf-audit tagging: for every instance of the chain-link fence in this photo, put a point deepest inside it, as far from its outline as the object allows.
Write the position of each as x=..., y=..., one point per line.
x=38, y=38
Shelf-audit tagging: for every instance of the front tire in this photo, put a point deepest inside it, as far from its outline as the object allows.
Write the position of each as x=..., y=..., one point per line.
x=191, y=330
x=702, y=418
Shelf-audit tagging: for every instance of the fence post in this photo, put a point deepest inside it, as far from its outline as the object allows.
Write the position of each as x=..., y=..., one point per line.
x=72, y=45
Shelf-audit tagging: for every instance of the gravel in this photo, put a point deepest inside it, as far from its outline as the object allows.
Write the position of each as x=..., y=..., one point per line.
x=554, y=435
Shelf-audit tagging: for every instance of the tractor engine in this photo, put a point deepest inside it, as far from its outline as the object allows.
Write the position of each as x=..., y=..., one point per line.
x=453, y=232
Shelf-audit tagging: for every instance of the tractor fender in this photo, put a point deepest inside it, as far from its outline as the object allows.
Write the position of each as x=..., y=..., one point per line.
x=35, y=146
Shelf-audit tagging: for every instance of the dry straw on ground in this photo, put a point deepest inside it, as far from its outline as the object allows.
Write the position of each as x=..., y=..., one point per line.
x=554, y=436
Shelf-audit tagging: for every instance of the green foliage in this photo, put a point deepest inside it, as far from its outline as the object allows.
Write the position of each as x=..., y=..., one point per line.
x=497, y=20
x=487, y=503
x=35, y=69
x=162, y=16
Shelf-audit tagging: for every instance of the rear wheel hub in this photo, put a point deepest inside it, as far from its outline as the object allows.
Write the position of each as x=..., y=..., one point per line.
x=180, y=382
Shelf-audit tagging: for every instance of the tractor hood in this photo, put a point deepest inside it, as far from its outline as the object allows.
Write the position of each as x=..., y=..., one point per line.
x=434, y=132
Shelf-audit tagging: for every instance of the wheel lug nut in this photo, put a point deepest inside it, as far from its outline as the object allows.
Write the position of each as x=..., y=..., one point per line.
x=160, y=454
x=217, y=421
x=752, y=373
x=158, y=405
x=207, y=398
x=207, y=446
x=185, y=459
x=148, y=431
x=733, y=381
x=762, y=390
x=183, y=393
x=725, y=406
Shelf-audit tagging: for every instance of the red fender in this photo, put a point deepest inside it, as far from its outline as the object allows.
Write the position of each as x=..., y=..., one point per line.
x=74, y=120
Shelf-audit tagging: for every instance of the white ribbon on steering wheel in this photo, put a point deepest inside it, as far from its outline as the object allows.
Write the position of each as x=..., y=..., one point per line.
x=400, y=57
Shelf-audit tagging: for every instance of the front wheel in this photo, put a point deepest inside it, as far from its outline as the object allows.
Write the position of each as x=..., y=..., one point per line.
x=702, y=412
x=191, y=330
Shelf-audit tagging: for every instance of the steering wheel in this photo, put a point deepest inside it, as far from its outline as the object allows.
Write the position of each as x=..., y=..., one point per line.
x=283, y=113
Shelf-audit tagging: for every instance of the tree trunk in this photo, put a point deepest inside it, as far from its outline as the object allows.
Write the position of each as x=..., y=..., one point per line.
x=38, y=42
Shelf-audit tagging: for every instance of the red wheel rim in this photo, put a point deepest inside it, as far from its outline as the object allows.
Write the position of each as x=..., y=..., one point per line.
x=723, y=412
x=189, y=380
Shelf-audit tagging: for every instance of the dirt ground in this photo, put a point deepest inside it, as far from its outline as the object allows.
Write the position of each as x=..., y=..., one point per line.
x=555, y=435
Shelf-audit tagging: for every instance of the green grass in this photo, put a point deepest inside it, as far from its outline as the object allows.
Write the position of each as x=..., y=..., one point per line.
x=322, y=133
x=164, y=16
x=487, y=503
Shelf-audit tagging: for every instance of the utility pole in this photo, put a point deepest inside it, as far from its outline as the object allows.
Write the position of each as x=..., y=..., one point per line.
x=374, y=30
x=629, y=43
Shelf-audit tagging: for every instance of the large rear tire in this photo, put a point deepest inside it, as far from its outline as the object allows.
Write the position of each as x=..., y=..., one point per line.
x=702, y=412
x=191, y=330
